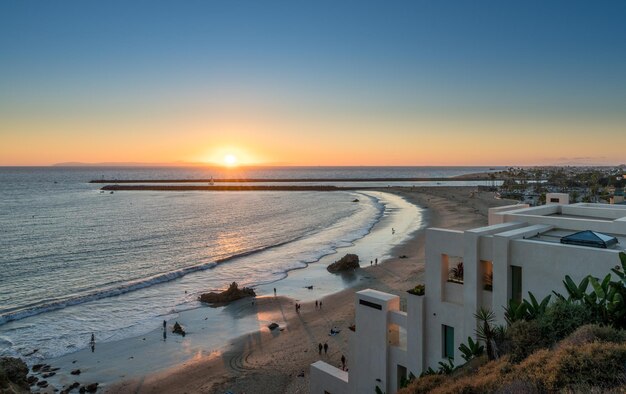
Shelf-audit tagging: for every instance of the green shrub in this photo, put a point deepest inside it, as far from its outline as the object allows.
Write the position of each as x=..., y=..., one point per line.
x=562, y=318
x=418, y=290
x=525, y=337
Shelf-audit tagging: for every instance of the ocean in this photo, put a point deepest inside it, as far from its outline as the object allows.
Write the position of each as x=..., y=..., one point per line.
x=75, y=261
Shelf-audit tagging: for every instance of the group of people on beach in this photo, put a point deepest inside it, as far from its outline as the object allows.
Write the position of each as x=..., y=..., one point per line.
x=318, y=304
x=298, y=306
x=324, y=347
x=375, y=261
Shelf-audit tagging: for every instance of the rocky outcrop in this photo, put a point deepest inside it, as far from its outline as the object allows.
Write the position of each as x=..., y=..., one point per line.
x=13, y=375
x=346, y=263
x=68, y=389
x=232, y=294
x=178, y=329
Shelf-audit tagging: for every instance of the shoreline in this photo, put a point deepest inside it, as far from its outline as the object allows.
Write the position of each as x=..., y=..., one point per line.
x=131, y=353
x=270, y=362
x=274, y=359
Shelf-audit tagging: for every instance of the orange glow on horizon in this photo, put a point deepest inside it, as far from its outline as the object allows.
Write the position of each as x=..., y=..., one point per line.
x=300, y=139
x=230, y=160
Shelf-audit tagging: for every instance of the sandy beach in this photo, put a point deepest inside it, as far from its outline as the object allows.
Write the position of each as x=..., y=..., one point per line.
x=277, y=361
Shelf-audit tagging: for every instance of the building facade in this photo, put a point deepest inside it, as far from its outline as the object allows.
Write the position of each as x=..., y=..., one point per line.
x=523, y=249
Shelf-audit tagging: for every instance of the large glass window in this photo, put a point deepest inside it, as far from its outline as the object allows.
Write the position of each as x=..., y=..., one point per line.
x=448, y=341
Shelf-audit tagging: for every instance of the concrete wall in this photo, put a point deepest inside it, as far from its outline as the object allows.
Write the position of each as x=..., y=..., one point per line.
x=495, y=217
x=415, y=333
x=542, y=274
x=370, y=359
x=327, y=379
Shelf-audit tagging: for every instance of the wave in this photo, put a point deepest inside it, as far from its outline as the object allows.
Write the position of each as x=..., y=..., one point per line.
x=127, y=287
x=116, y=290
x=345, y=240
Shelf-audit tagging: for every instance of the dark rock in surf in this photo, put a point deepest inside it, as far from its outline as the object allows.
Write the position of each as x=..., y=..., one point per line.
x=32, y=380
x=75, y=372
x=273, y=326
x=233, y=293
x=178, y=329
x=346, y=263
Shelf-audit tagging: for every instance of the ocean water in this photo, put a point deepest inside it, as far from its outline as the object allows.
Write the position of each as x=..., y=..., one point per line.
x=75, y=261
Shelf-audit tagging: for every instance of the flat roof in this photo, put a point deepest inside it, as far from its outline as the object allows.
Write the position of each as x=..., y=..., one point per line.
x=569, y=216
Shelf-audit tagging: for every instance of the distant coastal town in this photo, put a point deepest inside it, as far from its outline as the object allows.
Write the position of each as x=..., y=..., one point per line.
x=583, y=184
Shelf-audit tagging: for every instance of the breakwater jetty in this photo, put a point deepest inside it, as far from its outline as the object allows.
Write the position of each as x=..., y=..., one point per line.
x=292, y=188
x=282, y=180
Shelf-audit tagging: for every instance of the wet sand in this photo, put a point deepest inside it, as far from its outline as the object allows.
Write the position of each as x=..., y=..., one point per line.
x=270, y=361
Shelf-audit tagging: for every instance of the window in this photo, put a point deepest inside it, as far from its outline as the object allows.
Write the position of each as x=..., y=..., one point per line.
x=448, y=341
x=487, y=269
x=370, y=304
x=552, y=199
x=402, y=376
x=516, y=283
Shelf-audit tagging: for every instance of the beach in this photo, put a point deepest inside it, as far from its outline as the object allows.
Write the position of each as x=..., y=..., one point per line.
x=277, y=361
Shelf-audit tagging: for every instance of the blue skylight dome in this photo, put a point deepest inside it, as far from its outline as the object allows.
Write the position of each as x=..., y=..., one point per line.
x=589, y=238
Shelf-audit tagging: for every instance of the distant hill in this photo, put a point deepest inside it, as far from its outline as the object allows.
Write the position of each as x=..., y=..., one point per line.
x=128, y=164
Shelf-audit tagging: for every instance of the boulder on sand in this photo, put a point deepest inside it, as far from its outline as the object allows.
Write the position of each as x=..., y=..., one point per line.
x=178, y=329
x=346, y=263
x=231, y=294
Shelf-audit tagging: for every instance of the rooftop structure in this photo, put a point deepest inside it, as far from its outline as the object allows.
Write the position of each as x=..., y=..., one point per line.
x=520, y=251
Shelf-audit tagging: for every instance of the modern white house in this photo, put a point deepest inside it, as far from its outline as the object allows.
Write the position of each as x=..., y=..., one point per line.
x=523, y=249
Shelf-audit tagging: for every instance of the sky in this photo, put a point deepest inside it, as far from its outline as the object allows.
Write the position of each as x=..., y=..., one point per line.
x=313, y=83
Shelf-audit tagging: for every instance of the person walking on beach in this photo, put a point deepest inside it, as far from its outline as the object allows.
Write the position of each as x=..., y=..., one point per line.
x=164, y=325
x=92, y=343
x=320, y=348
x=315, y=304
x=376, y=261
x=320, y=304
x=343, y=362
x=325, y=347
x=274, y=292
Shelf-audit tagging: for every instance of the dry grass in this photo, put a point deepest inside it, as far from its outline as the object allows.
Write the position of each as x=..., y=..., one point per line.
x=592, y=359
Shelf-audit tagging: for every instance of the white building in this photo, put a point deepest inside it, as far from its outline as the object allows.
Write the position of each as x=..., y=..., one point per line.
x=522, y=250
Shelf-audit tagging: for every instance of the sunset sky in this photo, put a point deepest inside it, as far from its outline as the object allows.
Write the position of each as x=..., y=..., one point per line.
x=317, y=83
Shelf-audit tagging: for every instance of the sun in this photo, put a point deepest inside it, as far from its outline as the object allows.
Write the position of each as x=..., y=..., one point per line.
x=230, y=160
